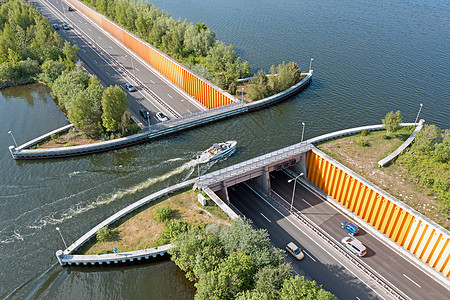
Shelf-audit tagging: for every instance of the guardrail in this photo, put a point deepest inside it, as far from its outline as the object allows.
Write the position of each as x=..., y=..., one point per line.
x=339, y=248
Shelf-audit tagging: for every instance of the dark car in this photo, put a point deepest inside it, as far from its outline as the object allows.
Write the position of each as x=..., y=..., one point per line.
x=70, y=8
x=55, y=26
x=65, y=26
x=350, y=227
x=130, y=87
x=144, y=113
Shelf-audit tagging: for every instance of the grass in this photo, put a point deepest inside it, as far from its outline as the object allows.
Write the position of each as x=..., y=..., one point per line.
x=141, y=230
x=394, y=179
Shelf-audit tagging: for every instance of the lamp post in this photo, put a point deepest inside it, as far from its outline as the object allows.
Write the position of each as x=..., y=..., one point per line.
x=132, y=65
x=303, y=131
x=148, y=120
x=15, y=143
x=293, y=191
x=310, y=64
x=242, y=94
x=418, y=113
x=57, y=229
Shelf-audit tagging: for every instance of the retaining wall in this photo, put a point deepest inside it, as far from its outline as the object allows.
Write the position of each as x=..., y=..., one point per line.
x=403, y=225
x=203, y=91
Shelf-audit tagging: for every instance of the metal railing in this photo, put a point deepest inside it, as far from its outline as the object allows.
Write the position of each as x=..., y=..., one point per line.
x=338, y=247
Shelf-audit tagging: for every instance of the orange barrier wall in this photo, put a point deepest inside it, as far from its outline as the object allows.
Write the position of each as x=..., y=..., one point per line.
x=207, y=94
x=403, y=225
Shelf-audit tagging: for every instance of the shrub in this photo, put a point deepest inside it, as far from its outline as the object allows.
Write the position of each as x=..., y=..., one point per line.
x=364, y=132
x=362, y=142
x=162, y=213
x=104, y=234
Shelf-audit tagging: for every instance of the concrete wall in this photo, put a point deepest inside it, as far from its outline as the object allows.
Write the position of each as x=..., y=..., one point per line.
x=422, y=237
x=203, y=91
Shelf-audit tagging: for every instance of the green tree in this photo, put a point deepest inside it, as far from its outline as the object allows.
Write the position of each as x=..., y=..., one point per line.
x=252, y=295
x=426, y=140
x=67, y=87
x=258, y=87
x=392, y=121
x=86, y=110
x=51, y=70
x=70, y=53
x=114, y=104
x=269, y=279
x=298, y=288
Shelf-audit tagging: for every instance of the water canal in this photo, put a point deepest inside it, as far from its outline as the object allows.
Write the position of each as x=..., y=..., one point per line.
x=370, y=57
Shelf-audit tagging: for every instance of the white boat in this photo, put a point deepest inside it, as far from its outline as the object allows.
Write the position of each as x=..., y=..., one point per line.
x=217, y=151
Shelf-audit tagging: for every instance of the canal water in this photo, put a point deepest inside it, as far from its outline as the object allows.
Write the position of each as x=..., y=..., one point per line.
x=370, y=57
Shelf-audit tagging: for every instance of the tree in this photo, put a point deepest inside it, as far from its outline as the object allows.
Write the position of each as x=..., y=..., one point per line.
x=392, y=121
x=427, y=139
x=67, y=87
x=70, y=53
x=114, y=104
x=258, y=87
x=51, y=70
x=298, y=288
x=86, y=109
x=269, y=279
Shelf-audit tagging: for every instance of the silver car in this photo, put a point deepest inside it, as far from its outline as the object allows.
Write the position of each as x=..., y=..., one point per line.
x=295, y=251
x=354, y=245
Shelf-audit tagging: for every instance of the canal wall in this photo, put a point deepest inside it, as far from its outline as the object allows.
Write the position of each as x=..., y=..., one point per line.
x=65, y=257
x=202, y=90
x=422, y=238
x=157, y=130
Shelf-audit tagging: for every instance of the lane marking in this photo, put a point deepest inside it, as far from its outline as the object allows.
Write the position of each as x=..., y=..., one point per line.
x=412, y=280
x=89, y=29
x=110, y=46
x=271, y=176
x=266, y=218
x=309, y=255
x=326, y=251
x=169, y=96
x=108, y=73
x=357, y=298
x=152, y=81
x=100, y=38
x=137, y=69
x=95, y=61
x=83, y=50
x=307, y=202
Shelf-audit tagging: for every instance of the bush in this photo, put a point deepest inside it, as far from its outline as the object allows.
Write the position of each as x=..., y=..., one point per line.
x=362, y=142
x=162, y=213
x=104, y=234
x=364, y=132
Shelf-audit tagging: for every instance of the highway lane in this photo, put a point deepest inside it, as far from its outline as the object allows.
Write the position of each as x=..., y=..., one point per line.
x=385, y=261
x=319, y=263
x=56, y=12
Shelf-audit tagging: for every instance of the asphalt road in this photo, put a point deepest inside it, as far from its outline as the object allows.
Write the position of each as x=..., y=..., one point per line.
x=319, y=262
x=180, y=104
x=404, y=275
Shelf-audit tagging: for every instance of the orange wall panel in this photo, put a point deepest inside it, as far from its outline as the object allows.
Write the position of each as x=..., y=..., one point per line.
x=169, y=68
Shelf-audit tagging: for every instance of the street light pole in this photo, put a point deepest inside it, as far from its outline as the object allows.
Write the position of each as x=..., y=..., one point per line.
x=57, y=229
x=418, y=113
x=15, y=143
x=310, y=64
x=293, y=191
x=303, y=131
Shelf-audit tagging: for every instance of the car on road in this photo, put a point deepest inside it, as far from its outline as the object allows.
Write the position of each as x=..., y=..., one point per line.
x=144, y=113
x=70, y=8
x=65, y=26
x=354, y=245
x=295, y=251
x=350, y=227
x=55, y=26
x=162, y=117
x=130, y=87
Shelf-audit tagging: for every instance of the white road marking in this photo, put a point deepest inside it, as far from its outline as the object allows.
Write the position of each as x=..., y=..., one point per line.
x=309, y=255
x=90, y=29
x=411, y=280
x=232, y=188
x=95, y=61
x=326, y=251
x=271, y=176
x=83, y=50
x=307, y=202
x=357, y=298
x=110, y=46
x=266, y=218
x=169, y=96
x=137, y=69
x=108, y=73
x=152, y=81
x=99, y=38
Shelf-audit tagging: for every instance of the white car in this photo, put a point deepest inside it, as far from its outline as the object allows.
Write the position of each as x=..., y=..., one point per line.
x=354, y=245
x=162, y=117
x=295, y=251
